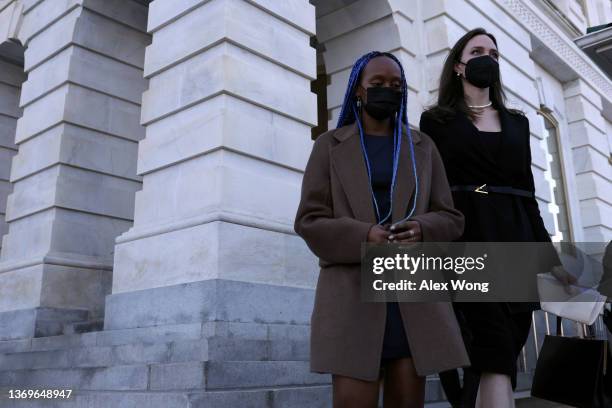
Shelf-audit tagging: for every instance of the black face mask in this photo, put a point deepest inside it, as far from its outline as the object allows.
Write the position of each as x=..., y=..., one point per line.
x=382, y=102
x=482, y=71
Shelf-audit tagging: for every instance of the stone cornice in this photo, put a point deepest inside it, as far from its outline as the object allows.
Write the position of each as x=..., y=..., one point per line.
x=563, y=47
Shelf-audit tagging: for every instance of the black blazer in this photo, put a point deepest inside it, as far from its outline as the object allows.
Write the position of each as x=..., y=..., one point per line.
x=467, y=161
x=492, y=217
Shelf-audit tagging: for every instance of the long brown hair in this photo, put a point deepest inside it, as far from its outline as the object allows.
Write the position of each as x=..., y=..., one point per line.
x=450, y=92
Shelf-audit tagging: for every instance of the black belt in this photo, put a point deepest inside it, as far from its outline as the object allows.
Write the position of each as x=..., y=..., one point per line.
x=484, y=189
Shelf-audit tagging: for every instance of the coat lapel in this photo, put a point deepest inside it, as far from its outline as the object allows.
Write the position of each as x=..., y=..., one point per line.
x=511, y=140
x=349, y=164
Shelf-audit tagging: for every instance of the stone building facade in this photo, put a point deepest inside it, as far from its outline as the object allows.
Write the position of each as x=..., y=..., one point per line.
x=151, y=156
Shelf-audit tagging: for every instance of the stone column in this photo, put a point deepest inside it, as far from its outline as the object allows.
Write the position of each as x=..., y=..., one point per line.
x=11, y=78
x=591, y=151
x=75, y=174
x=228, y=115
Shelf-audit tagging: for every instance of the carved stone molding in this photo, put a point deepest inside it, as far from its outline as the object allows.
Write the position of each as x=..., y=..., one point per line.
x=563, y=47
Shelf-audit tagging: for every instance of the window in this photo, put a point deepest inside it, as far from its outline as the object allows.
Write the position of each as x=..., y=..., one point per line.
x=557, y=179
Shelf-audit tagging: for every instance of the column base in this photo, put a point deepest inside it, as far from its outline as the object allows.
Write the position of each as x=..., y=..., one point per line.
x=37, y=322
x=209, y=300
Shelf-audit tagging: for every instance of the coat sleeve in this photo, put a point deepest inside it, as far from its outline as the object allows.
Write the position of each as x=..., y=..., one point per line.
x=443, y=222
x=332, y=239
x=426, y=125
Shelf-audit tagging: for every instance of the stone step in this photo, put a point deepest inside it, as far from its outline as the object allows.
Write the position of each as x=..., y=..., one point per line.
x=276, y=397
x=265, y=397
x=45, y=321
x=319, y=396
x=239, y=349
x=316, y=396
x=132, y=377
x=159, y=334
x=215, y=348
x=242, y=374
x=211, y=375
x=15, y=346
x=149, y=335
x=84, y=326
x=51, y=321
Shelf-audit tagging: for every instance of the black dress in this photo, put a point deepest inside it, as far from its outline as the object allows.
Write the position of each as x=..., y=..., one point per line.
x=492, y=141
x=380, y=156
x=494, y=333
x=474, y=157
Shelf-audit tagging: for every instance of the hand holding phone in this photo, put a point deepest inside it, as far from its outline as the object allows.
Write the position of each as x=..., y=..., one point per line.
x=405, y=231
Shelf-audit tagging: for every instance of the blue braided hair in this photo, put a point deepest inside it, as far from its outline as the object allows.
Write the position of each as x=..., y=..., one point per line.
x=349, y=115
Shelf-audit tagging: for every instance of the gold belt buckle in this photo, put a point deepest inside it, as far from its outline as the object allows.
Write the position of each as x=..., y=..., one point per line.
x=479, y=189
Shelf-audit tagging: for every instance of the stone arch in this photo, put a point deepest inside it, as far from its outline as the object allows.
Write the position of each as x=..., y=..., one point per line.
x=11, y=17
x=347, y=29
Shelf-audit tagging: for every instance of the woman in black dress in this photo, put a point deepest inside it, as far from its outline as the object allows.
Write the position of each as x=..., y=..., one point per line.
x=486, y=152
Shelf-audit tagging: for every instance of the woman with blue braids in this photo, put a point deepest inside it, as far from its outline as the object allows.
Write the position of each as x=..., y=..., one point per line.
x=376, y=179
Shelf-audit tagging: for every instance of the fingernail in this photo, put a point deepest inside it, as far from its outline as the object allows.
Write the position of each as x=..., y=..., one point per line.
x=393, y=228
x=390, y=236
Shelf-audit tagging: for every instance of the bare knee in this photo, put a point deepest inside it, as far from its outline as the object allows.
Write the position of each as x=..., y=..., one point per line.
x=354, y=393
x=403, y=399
x=403, y=387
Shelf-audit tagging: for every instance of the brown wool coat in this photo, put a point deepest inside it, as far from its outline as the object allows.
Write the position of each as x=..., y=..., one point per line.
x=334, y=216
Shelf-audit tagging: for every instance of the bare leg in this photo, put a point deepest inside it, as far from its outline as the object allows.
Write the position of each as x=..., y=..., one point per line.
x=403, y=388
x=354, y=393
x=495, y=390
